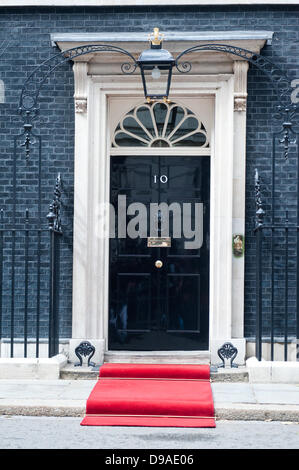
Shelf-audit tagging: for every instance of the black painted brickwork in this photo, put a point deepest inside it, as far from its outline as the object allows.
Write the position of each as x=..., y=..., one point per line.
x=25, y=32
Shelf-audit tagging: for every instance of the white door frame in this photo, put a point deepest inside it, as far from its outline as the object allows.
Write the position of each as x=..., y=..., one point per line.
x=92, y=178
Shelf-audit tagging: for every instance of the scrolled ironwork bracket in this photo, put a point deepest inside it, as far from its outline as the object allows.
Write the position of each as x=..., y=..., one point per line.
x=227, y=351
x=33, y=84
x=85, y=348
x=276, y=75
x=28, y=103
x=286, y=109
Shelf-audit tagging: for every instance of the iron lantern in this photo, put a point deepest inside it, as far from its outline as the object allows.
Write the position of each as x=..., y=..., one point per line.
x=156, y=69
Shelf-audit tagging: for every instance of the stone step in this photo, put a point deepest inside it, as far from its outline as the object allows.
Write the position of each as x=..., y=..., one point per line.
x=158, y=357
x=70, y=372
x=239, y=374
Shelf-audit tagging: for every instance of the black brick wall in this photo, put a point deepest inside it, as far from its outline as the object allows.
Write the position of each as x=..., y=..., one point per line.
x=25, y=32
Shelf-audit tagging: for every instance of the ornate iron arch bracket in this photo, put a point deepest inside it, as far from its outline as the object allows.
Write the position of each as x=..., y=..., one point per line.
x=276, y=75
x=28, y=103
x=286, y=110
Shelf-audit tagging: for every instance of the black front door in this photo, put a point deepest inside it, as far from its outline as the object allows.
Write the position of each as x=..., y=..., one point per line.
x=159, y=296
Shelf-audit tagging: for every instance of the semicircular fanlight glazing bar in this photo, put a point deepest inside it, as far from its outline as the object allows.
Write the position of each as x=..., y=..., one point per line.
x=171, y=109
x=136, y=110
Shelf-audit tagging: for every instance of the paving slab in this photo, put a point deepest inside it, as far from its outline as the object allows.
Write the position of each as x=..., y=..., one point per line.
x=233, y=393
x=47, y=389
x=233, y=401
x=279, y=394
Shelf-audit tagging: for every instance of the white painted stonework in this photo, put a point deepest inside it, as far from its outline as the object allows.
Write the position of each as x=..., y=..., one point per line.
x=216, y=90
x=272, y=371
x=29, y=368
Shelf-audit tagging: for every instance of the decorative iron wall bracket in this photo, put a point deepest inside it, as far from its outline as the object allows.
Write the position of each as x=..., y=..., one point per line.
x=275, y=74
x=286, y=110
x=30, y=92
x=28, y=103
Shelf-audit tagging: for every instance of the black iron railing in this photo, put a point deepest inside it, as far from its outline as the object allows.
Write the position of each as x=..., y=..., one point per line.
x=29, y=281
x=277, y=282
x=54, y=221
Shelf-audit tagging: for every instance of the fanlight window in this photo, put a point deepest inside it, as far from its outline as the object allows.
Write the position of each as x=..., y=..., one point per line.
x=160, y=125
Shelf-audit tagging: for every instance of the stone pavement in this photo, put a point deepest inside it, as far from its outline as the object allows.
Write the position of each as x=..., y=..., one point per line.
x=233, y=401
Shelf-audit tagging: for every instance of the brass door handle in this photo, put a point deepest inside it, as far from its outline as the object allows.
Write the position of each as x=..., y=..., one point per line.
x=158, y=264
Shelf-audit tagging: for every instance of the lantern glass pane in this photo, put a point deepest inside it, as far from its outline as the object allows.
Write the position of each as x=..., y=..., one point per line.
x=158, y=86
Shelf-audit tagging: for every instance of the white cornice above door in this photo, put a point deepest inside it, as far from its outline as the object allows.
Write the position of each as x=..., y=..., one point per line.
x=256, y=38
x=203, y=62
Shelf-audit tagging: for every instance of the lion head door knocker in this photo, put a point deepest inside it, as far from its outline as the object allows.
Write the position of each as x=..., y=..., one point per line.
x=238, y=245
x=85, y=348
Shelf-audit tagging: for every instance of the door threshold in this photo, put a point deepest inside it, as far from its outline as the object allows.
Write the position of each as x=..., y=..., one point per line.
x=158, y=357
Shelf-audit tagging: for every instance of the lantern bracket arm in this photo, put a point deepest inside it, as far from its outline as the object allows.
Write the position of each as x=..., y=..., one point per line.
x=276, y=75
x=28, y=102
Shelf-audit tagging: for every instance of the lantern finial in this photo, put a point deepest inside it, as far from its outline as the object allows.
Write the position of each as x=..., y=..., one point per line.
x=156, y=37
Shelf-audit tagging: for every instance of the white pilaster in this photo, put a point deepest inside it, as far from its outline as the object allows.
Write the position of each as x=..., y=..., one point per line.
x=221, y=215
x=239, y=168
x=81, y=274
x=80, y=95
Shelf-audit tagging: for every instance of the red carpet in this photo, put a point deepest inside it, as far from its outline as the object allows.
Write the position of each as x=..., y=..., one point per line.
x=151, y=395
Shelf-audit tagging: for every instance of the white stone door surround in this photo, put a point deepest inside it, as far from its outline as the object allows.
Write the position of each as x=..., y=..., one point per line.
x=99, y=82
